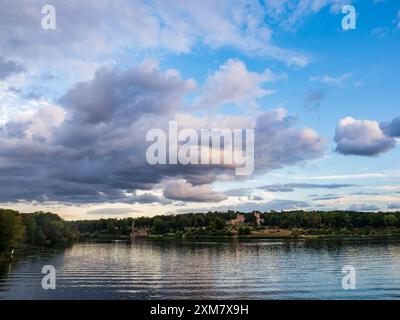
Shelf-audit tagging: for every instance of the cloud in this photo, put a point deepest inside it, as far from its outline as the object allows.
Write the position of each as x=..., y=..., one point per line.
x=313, y=99
x=394, y=206
x=241, y=192
x=363, y=207
x=391, y=129
x=290, y=14
x=327, y=197
x=279, y=143
x=118, y=95
x=290, y=187
x=137, y=25
x=147, y=198
x=111, y=211
x=9, y=67
x=332, y=81
x=91, y=146
x=361, y=137
x=276, y=205
x=380, y=32
x=233, y=83
x=255, y=198
x=184, y=191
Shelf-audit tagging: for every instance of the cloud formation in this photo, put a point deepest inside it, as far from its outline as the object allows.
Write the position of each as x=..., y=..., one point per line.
x=392, y=128
x=314, y=99
x=9, y=67
x=278, y=143
x=291, y=13
x=394, y=206
x=177, y=27
x=233, y=83
x=111, y=211
x=290, y=187
x=362, y=138
x=276, y=205
x=184, y=191
x=331, y=81
x=90, y=147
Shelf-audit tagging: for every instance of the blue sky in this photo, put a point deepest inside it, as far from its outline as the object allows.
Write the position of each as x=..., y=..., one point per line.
x=67, y=95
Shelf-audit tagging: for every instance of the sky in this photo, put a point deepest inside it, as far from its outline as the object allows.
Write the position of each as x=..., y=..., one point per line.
x=77, y=101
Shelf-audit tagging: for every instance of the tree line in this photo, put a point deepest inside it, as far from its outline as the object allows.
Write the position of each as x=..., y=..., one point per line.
x=44, y=228
x=216, y=222
x=39, y=228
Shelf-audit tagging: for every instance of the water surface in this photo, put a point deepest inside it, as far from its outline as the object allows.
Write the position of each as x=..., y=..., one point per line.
x=212, y=270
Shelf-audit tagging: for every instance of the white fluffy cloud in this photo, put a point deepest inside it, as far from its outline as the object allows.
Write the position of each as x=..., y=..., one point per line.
x=233, y=83
x=361, y=137
x=184, y=191
x=332, y=81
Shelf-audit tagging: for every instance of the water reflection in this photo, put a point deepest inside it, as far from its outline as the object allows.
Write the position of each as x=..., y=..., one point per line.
x=213, y=270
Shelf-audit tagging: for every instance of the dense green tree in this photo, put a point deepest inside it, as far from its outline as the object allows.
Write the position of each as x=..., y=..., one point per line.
x=11, y=230
x=219, y=224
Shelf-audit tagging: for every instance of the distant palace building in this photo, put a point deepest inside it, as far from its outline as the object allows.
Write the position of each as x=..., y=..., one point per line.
x=139, y=232
x=259, y=220
x=240, y=218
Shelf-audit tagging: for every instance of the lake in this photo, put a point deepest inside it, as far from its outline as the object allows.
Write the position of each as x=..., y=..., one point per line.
x=209, y=270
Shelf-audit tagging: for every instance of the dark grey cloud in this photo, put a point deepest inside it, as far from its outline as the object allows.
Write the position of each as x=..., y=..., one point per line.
x=290, y=187
x=92, y=148
x=124, y=96
x=9, y=67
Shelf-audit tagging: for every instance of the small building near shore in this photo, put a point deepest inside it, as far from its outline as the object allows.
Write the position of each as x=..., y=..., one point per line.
x=139, y=232
x=240, y=218
x=259, y=220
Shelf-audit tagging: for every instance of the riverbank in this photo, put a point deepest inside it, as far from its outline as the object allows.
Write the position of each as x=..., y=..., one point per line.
x=257, y=233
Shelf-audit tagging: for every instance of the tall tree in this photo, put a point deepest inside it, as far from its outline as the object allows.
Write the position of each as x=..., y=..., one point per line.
x=11, y=230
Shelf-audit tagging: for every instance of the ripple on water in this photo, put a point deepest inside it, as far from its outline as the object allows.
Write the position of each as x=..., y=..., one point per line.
x=251, y=270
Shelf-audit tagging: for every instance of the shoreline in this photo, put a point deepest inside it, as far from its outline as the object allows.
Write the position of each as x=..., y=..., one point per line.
x=171, y=238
